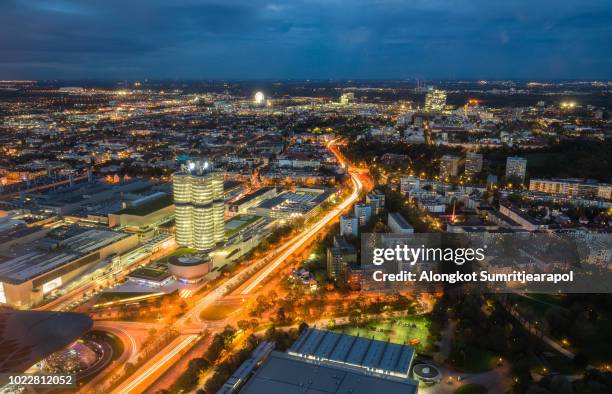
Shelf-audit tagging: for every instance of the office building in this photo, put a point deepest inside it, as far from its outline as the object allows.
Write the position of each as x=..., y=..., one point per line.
x=376, y=199
x=144, y=215
x=51, y=262
x=339, y=257
x=409, y=183
x=516, y=167
x=435, y=100
x=199, y=206
x=349, y=225
x=579, y=188
x=398, y=224
x=473, y=163
x=449, y=166
x=363, y=213
x=253, y=199
x=304, y=202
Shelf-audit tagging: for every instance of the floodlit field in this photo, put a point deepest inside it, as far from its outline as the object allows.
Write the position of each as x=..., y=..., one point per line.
x=412, y=330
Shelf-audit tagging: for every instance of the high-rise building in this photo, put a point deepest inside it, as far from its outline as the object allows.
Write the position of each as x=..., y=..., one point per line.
x=339, y=258
x=449, y=166
x=409, y=183
x=516, y=168
x=363, y=212
x=473, y=163
x=376, y=199
x=579, y=188
x=349, y=225
x=435, y=100
x=199, y=207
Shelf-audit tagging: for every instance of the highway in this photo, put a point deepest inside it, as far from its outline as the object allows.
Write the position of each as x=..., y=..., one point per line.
x=307, y=234
x=153, y=369
x=250, y=277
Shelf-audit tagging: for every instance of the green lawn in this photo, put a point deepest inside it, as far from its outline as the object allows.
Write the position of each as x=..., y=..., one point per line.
x=476, y=360
x=471, y=388
x=216, y=312
x=404, y=330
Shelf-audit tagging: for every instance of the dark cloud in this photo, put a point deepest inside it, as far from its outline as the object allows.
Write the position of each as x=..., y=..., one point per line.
x=305, y=39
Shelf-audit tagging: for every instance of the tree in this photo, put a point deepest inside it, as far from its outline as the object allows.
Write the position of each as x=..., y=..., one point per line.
x=243, y=324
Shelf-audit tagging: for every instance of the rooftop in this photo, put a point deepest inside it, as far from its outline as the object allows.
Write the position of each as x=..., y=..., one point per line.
x=253, y=195
x=162, y=201
x=399, y=219
x=50, y=253
x=27, y=337
x=282, y=374
x=379, y=356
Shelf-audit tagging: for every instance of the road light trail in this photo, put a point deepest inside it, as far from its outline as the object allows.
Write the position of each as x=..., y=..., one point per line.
x=306, y=235
x=133, y=384
x=286, y=250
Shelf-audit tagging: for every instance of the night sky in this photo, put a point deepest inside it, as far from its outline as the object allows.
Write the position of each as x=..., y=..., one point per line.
x=340, y=39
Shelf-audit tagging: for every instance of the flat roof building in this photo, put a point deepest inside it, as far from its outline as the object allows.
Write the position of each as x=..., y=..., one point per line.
x=398, y=224
x=198, y=206
x=449, y=166
x=368, y=355
x=145, y=214
x=282, y=373
x=328, y=362
x=516, y=167
x=303, y=202
x=339, y=257
x=253, y=199
x=473, y=163
x=32, y=272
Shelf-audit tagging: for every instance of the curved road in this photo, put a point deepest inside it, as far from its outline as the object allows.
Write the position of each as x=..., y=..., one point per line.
x=130, y=353
x=146, y=375
x=268, y=265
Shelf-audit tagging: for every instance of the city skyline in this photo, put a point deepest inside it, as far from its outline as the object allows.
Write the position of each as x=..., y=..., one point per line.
x=351, y=196
x=72, y=40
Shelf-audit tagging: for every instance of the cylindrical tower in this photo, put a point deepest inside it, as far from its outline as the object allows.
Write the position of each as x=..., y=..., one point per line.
x=199, y=207
x=182, y=209
x=218, y=208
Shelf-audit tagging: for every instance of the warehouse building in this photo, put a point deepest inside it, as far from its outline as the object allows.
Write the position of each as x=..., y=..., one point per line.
x=30, y=273
x=327, y=362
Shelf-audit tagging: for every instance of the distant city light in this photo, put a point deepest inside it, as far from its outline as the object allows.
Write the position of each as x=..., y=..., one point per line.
x=259, y=98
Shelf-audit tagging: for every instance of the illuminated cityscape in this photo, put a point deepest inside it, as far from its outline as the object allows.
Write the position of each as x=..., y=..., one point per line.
x=244, y=197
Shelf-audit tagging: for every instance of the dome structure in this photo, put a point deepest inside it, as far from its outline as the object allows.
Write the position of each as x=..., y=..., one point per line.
x=189, y=268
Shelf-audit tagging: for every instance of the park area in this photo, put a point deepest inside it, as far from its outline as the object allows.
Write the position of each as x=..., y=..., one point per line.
x=216, y=312
x=410, y=330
